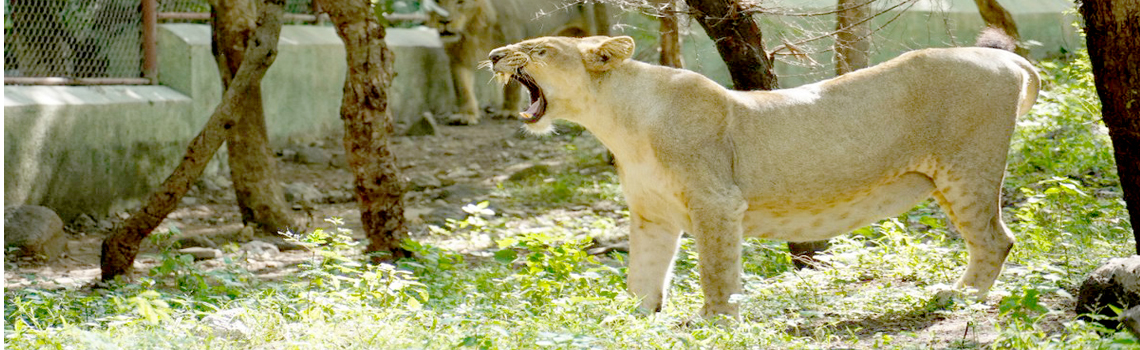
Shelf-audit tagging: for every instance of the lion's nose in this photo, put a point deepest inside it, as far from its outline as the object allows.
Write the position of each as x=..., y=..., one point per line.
x=497, y=55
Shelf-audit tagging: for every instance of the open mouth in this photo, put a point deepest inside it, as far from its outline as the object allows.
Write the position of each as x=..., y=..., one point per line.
x=537, y=101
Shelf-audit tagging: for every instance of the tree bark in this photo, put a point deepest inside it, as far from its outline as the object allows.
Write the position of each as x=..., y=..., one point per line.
x=738, y=39
x=252, y=168
x=852, y=39
x=120, y=248
x=1112, y=31
x=670, y=37
x=996, y=16
x=369, y=126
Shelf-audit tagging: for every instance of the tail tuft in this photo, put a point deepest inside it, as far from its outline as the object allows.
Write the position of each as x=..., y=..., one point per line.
x=996, y=38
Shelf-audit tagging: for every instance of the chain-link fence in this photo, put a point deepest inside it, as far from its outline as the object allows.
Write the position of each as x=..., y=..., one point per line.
x=73, y=39
x=96, y=41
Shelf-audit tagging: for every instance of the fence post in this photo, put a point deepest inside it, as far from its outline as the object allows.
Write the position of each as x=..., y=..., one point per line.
x=150, y=40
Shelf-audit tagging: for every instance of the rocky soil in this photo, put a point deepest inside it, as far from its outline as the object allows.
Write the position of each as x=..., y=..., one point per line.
x=462, y=165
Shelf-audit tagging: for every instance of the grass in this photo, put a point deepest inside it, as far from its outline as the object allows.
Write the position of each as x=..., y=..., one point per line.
x=535, y=287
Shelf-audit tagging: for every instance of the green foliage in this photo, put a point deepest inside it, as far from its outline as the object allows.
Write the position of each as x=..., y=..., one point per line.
x=532, y=285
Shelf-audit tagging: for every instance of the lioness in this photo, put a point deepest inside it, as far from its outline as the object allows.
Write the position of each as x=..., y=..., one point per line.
x=471, y=28
x=801, y=164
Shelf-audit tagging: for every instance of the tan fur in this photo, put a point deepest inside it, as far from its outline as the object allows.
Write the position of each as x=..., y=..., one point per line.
x=800, y=164
x=474, y=27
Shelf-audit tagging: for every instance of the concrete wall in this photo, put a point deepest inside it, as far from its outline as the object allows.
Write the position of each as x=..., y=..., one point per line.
x=101, y=149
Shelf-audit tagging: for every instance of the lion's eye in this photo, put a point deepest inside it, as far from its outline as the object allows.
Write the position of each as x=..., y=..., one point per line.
x=540, y=51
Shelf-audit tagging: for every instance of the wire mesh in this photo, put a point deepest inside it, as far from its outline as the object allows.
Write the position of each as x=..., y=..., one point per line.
x=291, y=6
x=73, y=38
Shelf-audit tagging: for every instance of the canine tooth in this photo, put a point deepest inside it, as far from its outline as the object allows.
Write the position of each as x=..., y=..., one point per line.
x=525, y=115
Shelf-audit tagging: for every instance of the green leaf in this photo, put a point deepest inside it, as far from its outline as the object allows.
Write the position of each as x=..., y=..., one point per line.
x=506, y=256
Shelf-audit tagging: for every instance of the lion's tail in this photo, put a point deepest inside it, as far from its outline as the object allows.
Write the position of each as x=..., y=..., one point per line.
x=995, y=38
x=1031, y=83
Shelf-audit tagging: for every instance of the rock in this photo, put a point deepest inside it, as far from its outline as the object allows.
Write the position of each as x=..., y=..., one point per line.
x=37, y=231
x=228, y=324
x=299, y=192
x=416, y=215
x=422, y=182
x=1114, y=283
x=461, y=172
x=196, y=241
x=423, y=126
x=288, y=154
x=84, y=222
x=340, y=196
x=313, y=155
x=460, y=192
x=439, y=216
x=260, y=248
x=1131, y=320
x=201, y=253
x=529, y=172
x=189, y=201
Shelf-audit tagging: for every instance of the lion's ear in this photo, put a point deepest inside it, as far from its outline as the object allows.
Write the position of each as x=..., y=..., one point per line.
x=609, y=53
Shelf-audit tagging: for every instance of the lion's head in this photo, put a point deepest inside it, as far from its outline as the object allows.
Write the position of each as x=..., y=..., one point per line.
x=459, y=17
x=557, y=72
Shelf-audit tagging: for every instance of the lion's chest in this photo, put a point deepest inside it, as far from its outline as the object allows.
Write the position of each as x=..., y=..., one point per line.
x=654, y=193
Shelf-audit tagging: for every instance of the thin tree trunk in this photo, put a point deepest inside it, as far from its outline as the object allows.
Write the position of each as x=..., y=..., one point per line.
x=120, y=248
x=996, y=16
x=252, y=168
x=369, y=126
x=852, y=41
x=1112, y=31
x=601, y=19
x=670, y=37
x=738, y=39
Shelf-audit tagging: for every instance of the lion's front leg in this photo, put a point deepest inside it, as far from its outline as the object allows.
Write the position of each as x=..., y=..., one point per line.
x=652, y=248
x=718, y=228
x=464, y=80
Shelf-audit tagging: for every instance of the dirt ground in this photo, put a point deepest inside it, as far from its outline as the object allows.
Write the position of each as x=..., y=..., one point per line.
x=463, y=164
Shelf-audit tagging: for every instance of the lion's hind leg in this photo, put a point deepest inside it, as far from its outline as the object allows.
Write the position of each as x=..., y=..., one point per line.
x=973, y=205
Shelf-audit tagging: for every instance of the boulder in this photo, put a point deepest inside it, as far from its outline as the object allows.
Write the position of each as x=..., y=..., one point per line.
x=36, y=231
x=313, y=155
x=1116, y=283
x=299, y=192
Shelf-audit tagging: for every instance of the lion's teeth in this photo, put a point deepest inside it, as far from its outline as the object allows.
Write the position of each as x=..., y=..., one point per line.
x=525, y=115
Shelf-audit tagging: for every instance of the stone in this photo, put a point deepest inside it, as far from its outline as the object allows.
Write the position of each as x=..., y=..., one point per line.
x=422, y=182
x=1116, y=283
x=84, y=222
x=260, y=248
x=300, y=192
x=37, y=231
x=425, y=125
x=196, y=241
x=460, y=192
x=201, y=253
x=189, y=201
x=529, y=172
x=313, y=155
x=1131, y=320
x=439, y=216
x=340, y=196
x=228, y=324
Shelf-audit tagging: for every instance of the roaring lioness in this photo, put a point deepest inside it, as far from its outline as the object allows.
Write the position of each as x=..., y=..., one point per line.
x=802, y=164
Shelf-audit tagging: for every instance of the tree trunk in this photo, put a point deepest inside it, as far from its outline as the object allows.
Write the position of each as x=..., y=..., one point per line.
x=1112, y=31
x=252, y=168
x=852, y=40
x=738, y=39
x=670, y=37
x=368, y=126
x=996, y=16
x=120, y=248
x=601, y=19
